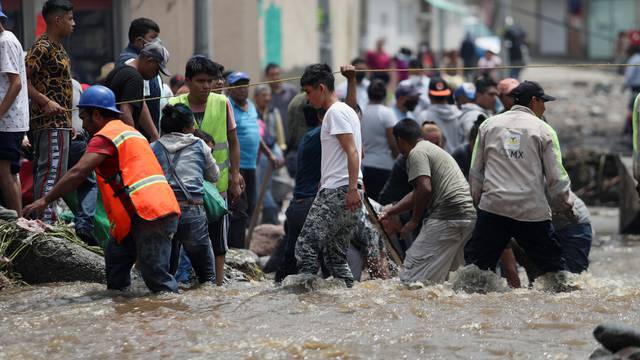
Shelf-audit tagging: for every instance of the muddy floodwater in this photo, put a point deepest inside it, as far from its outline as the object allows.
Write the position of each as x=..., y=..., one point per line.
x=374, y=320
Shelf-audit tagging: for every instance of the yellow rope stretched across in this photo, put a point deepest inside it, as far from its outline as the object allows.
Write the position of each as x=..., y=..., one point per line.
x=501, y=67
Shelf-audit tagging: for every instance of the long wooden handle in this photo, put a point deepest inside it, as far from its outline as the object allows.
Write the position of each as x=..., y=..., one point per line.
x=258, y=208
x=395, y=255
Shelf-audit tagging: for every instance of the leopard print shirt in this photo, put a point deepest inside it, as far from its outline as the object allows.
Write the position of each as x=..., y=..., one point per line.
x=51, y=76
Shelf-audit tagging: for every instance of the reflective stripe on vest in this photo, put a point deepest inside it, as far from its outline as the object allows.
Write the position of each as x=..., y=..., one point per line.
x=222, y=146
x=215, y=115
x=141, y=175
x=118, y=140
x=224, y=165
x=153, y=179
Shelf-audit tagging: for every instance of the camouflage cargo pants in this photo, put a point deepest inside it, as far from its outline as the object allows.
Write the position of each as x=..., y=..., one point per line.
x=327, y=228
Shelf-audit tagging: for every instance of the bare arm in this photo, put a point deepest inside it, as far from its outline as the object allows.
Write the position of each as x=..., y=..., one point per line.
x=127, y=114
x=69, y=182
x=510, y=266
x=349, y=71
x=404, y=205
x=34, y=94
x=348, y=144
x=47, y=105
x=421, y=196
x=146, y=123
x=236, y=182
x=12, y=93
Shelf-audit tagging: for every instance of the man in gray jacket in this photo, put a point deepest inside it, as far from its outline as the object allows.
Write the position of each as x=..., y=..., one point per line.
x=484, y=103
x=515, y=160
x=443, y=114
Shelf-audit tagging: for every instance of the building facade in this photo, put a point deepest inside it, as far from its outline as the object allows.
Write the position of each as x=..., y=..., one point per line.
x=243, y=35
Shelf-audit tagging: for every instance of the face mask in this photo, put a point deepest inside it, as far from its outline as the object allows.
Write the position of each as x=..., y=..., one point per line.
x=360, y=76
x=411, y=104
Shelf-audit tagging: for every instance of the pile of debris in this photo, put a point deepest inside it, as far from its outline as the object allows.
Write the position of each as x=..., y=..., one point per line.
x=34, y=252
x=595, y=176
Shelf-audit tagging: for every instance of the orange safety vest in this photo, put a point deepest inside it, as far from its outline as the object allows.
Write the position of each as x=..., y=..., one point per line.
x=142, y=177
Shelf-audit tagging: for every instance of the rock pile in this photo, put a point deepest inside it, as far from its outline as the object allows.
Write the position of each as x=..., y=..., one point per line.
x=619, y=342
x=265, y=239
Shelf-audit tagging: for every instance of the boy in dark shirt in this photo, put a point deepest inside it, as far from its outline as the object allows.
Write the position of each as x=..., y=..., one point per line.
x=307, y=181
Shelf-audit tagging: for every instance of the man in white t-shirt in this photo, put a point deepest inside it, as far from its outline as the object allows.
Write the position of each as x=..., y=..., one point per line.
x=14, y=115
x=333, y=216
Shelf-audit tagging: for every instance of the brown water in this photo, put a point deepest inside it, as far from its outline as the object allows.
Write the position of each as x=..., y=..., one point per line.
x=375, y=319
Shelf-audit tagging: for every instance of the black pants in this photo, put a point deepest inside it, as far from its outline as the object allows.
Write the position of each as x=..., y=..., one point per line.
x=217, y=236
x=374, y=180
x=493, y=232
x=296, y=214
x=241, y=211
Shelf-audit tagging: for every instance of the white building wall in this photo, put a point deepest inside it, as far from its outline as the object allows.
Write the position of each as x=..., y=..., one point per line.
x=345, y=31
x=300, y=39
x=395, y=21
x=176, y=27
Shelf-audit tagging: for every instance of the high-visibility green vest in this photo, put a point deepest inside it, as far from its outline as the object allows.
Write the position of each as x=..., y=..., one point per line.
x=214, y=123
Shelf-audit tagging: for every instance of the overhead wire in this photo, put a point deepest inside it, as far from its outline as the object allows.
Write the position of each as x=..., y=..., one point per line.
x=435, y=69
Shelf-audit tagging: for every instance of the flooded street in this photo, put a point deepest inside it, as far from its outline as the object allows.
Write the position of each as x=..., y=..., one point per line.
x=375, y=319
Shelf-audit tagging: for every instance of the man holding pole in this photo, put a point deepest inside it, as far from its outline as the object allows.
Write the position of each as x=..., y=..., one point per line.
x=333, y=216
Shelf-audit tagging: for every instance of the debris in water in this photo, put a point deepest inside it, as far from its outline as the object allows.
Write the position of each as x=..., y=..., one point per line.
x=302, y=283
x=561, y=281
x=246, y=262
x=471, y=279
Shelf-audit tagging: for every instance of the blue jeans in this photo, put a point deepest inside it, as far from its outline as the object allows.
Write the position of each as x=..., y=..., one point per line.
x=193, y=235
x=575, y=240
x=87, y=192
x=148, y=245
x=87, y=199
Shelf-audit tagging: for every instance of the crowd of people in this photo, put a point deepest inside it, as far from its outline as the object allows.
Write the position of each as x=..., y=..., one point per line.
x=460, y=168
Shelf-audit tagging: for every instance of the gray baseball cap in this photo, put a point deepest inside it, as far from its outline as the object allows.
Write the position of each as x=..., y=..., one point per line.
x=159, y=53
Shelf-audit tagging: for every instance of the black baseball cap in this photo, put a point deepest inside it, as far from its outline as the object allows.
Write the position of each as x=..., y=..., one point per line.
x=439, y=87
x=528, y=89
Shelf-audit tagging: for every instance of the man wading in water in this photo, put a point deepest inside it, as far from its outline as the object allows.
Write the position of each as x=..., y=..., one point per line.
x=141, y=206
x=516, y=158
x=333, y=216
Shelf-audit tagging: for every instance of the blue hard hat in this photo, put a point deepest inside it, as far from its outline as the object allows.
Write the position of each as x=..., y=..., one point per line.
x=98, y=96
x=2, y=14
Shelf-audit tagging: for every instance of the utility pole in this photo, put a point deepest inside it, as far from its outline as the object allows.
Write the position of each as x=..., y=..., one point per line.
x=203, y=13
x=325, y=32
